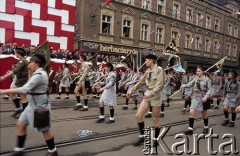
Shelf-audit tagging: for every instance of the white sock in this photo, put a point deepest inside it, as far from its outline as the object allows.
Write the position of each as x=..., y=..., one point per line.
x=17, y=149
x=53, y=150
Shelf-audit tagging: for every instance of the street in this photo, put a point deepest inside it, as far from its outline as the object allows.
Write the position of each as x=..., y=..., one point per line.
x=110, y=139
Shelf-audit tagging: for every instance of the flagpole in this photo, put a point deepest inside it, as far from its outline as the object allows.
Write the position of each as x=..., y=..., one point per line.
x=195, y=78
x=215, y=64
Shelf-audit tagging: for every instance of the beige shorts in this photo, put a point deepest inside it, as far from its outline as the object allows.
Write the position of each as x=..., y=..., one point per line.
x=154, y=100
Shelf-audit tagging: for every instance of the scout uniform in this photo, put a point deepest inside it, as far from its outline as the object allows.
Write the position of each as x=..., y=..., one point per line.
x=216, y=89
x=108, y=96
x=132, y=81
x=231, y=91
x=216, y=85
x=120, y=82
x=37, y=84
x=188, y=91
x=91, y=76
x=21, y=71
x=83, y=73
x=201, y=89
x=65, y=80
x=154, y=82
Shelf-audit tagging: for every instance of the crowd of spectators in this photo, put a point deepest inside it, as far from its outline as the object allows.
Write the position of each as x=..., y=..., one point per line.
x=8, y=49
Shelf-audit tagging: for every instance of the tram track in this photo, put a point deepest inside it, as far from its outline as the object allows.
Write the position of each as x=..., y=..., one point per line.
x=80, y=118
x=102, y=136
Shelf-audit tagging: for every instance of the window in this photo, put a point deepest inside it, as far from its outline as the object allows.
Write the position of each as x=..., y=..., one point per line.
x=228, y=50
x=198, y=43
x=176, y=11
x=159, y=35
x=234, y=51
x=217, y=25
x=199, y=19
x=174, y=34
x=208, y=22
x=126, y=28
x=144, y=32
x=216, y=46
x=207, y=45
x=160, y=6
x=189, y=15
x=187, y=41
x=145, y=4
x=106, y=24
x=229, y=29
x=235, y=31
x=127, y=1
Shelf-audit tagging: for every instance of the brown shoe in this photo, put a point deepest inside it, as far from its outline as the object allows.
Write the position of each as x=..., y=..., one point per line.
x=77, y=107
x=83, y=109
x=52, y=153
x=16, y=112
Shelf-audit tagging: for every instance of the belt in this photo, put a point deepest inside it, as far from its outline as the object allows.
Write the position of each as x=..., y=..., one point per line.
x=199, y=92
x=37, y=93
x=232, y=92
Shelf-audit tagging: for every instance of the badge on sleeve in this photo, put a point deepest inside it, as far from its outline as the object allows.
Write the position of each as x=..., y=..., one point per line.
x=84, y=133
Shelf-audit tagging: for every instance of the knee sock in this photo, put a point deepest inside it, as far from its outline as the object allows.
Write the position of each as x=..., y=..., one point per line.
x=101, y=110
x=86, y=102
x=218, y=102
x=112, y=112
x=191, y=123
x=50, y=144
x=21, y=141
x=136, y=101
x=24, y=105
x=234, y=116
x=206, y=123
x=141, y=128
x=16, y=103
x=226, y=114
x=162, y=107
x=157, y=131
x=78, y=99
x=127, y=100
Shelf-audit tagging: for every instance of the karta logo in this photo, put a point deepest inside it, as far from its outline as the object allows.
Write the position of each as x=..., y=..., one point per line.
x=227, y=146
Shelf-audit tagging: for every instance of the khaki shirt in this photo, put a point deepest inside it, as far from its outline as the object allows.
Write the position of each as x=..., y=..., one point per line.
x=20, y=68
x=154, y=80
x=83, y=72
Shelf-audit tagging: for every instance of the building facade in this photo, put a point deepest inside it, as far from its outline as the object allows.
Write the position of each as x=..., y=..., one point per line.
x=204, y=31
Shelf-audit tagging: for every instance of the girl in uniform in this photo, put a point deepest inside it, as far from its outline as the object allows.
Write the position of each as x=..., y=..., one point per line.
x=130, y=85
x=201, y=92
x=37, y=88
x=108, y=96
x=231, y=98
x=65, y=82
